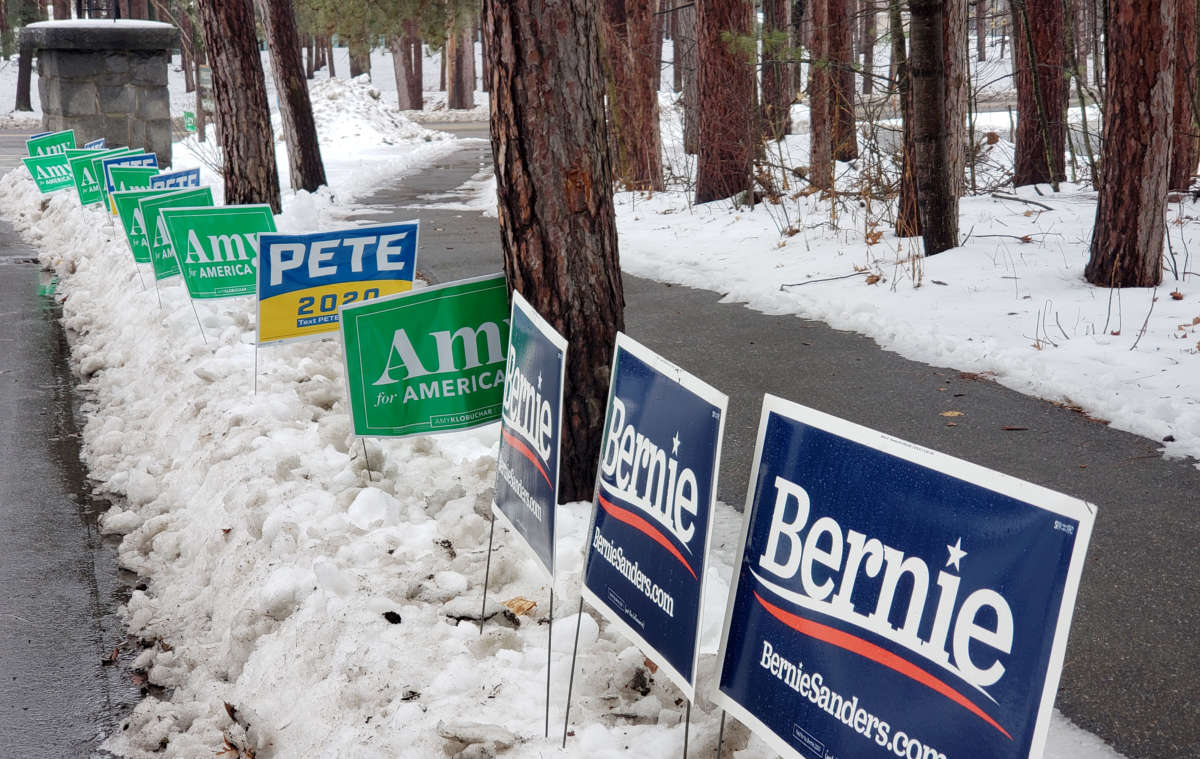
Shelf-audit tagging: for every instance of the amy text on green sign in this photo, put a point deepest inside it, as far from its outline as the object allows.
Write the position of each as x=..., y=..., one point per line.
x=162, y=255
x=217, y=248
x=51, y=172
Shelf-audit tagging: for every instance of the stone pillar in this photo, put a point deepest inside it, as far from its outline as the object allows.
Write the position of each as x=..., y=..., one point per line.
x=106, y=79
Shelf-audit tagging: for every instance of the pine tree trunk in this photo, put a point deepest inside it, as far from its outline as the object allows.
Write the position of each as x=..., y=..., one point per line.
x=185, y=61
x=927, y=67
x=728, y=132
x=820, y=106
x=1041, y=100
x=24, y=78
x=1184, y=151
x=310, y=57
x=799, y=40
x=305, y=167
x=557, y=225
x=406, y=61
x=360, y=58
x=841, y=56
x=868, y=10
x=776, y=70
x=955, y=52
x=686, y=39
x=1139, y=96
x=243, y=117
x=62, y=9
x=201, y=116
x=676, y=53
x=627, y=30
x=329, y=56
x=908, y=216
x=138, y=9
x=460, y=84
x=981, y=13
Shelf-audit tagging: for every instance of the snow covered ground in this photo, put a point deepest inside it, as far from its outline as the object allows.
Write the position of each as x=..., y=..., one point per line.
x=313, y=586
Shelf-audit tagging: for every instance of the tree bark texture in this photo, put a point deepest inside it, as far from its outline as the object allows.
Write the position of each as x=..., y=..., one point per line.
x=927, y=67
x=1139, y=97
x=62, y=9
x=676, y=52
x=360, y=58
x=955, y=51
x=460, y=74
x=820, y=106
x=840, y=54
x=776, y=70
x=685, y=41
x=305, y=167
x=408, y=66
x=557, y=225
x=867, y=34
x=1041, y=98
x=908, y=215
x=243, y=117
x=1184, y=152
x=138, y=9
x=24, y=78
x=329, y=56
x=728, y=130
x=627, y=30
x=981, y=27
x=310, y=57
x=799, y=39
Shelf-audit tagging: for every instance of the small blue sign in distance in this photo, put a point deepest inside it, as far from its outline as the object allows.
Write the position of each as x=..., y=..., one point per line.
x=176, y=180
x=655, y=490
x=891, y=601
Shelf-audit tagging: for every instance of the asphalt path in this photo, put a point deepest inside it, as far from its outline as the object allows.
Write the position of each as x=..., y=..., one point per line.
x=59, y=583
x=1131, y=671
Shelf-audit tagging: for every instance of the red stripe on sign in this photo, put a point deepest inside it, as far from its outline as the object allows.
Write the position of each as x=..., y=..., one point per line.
x=873, y=652
x=524, y=450
x=636, y=522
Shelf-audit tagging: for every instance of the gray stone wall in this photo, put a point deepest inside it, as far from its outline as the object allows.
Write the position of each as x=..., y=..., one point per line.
x=106, y=79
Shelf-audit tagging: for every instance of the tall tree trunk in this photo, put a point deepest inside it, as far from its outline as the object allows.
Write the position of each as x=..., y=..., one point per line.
x=1139, y=97
x=1041, y=99
x=310, y=57
x=360, y=58
x=908, y=216
x=981, y=25
x=1184, y=153
x=955, y=52
x=406, y=60
x=868, y=10
x=554, y=184
x=329, y=56
x=460, y=82
x=305, y=167
x=627, y=30
x=686, y=40
x=776, y=70
x=800, y=11
x=820, y=105
x=927, y=67
x=185, y=62
x=24, y=78
x=727, y=129
x=138, y=9
x=676, y=53
x=201, y=116
x=243, y=118
x=841, y=56
x=62, y=9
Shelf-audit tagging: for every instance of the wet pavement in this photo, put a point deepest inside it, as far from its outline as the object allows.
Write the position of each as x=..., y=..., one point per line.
x=59, y=583
x=1132, y=674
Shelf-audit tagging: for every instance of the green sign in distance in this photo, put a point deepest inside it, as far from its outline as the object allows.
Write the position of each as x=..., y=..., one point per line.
x=217, y=248
x=98, y=170
x=427, y=361
x=50, y=172
x=189, y=121
x=162, y=255
x=132, y=177
x=47, y=144
x=88, y=180
x=134, y=225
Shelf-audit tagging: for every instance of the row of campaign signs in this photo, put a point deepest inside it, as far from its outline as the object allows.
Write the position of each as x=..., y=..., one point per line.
x=887, y=600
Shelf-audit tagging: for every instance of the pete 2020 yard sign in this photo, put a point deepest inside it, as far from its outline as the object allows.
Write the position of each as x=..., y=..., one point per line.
x=304, y=279
x=526, y=492
x=429, y=360
x=655, y=490
x=893, y=601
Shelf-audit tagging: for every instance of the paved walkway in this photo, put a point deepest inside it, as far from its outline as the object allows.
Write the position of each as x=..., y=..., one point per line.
x=59, y=586
x=1133, y=664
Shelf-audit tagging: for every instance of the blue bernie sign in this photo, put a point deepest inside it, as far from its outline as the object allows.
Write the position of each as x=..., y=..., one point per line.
x=176, y=180
x=655, y=490
x=526, y=492
x=891, y=601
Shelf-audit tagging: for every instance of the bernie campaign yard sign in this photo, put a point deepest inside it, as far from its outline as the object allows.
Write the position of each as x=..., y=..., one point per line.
x=655, y=489
x=132, y=221
x=304, y=279
x=427, y=361
x=893, y=601
x=130, y=179
x=50, y=143
x=217, y=247
x=162, y=255
x=178, y=180
x=50, y=172
x=526, y=492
